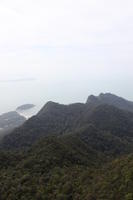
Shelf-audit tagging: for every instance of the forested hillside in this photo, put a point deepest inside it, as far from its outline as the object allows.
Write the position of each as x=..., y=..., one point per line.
x=69, y=152
x=58, y=119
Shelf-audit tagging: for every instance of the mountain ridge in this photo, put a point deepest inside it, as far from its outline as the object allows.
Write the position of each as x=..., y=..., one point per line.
x=58, y=119
x=70, y=152
x=111, y=99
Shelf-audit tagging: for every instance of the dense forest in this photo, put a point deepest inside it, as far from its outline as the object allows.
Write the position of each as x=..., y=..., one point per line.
x=71, y=152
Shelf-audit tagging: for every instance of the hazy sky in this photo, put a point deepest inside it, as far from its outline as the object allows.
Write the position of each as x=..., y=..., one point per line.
x=64, y=50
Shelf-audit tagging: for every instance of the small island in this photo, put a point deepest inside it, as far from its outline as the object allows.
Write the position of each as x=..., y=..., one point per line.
x=25, y=107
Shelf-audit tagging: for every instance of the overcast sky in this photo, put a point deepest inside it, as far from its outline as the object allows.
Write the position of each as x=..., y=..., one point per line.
x=64, y=50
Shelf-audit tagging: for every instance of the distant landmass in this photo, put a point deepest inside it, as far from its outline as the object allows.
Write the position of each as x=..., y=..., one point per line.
x=28, y=110
x=13, y=119
x=25, y=107
x=9, y=121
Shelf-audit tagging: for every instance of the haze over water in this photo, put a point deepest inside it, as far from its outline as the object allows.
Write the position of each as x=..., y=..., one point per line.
x=64, y=50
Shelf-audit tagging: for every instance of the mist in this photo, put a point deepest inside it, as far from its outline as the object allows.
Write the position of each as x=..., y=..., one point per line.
x=64, y=50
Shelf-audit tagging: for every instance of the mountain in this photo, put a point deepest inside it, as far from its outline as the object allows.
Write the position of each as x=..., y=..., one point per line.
x=51, y=169
x=53, y=118
x=9, y=121
x=69, y=166
x=111, y=99
x=58, y=119
x=70, y=152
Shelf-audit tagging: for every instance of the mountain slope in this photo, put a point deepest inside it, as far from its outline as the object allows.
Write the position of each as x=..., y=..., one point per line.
x=114, y=120
x=58, y=119
x=75, y=152
x=111, y=99
x=52, y=119
x=48, y=170
x=115, y=181
x=9, y=121
x=67, y=167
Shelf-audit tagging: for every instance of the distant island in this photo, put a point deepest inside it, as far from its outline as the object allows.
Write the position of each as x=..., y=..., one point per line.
x=25, y=107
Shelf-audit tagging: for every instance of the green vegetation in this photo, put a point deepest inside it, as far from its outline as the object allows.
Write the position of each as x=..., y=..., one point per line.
x=74, y=152
x=65, y=168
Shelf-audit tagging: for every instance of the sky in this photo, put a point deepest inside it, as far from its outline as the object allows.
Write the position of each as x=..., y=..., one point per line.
x=64, y=50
